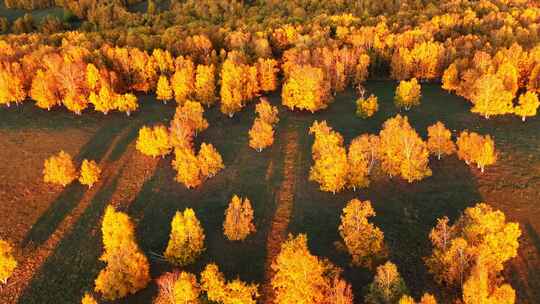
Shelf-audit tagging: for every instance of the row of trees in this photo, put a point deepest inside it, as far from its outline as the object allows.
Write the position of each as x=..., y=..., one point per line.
x=398, y=149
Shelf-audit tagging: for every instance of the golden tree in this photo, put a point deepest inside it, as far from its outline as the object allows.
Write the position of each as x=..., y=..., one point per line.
x=88, y=299
x=387, y=286
x=90, y=173
x=364, y=241
x=490, y=97
x=183, y=81
x=440, y=140
x=403, y=152
x=261, y=135
x=306, y=89
x=475, y=148
x=205, y=84
x=359, y=164
x=191, y=113
x=59, y=169
x=7, y=261
x=361, y=71
x=299, y=275
x=104, y=100
x=186, y=242
x=232, y=87
x=267, y=112
x=528, y=104
x=366, y=108
x=154, y=141
x=340, y=292
x=186, y=290
x=219, y=291
x=210, y=161
x=478, y=289
x=405, y=299
x=408, y=94
x=369, y=146
x=330, y=168
x=127, y=269
x=181, y=135
x=44, y=91
x=267, y=74
x=75, y=103
x=93, y=77
x=164, y=91
x=238, y=222
x=480, y=231
x=126, y=103
x=428, y=299
x=187, y=167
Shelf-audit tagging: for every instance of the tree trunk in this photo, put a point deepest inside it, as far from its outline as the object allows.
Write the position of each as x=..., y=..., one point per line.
x=523, y=118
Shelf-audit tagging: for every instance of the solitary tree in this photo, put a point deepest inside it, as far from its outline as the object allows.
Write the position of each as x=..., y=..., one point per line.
x=408, y=94
x=7, y=261
x=154, y=141
x=220, y=291
x=528, y=104
x=127, y=269
x=367, y=107
x=238, y=222
x=186, y=240
x=261, y=135
x=90, y=173
x=59, y=169
x=439, y=140
x=267, y=112
x=364, y=241
x=210, y=161
x=387, y=286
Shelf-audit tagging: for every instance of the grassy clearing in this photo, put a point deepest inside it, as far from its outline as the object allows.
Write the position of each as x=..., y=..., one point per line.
x=405, y=212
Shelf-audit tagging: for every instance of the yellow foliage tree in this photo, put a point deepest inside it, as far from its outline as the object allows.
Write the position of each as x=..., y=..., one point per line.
x=164, y=91
x=479, y=290
x=154, y=141
x=88, y=299
x=127, y=269
x=299, y=275
x=210, y=161
x=362, y=69
x=187, y=167
x=403, y=152
x=104, y=100
x=238, y=222
x=359, y=164
x=528, y=104
x=44, y=91
x=186, y=289
x=75, y=103
x=126, y=103
x=475, y=148
x=90, y=173
x=183, y=81
x=205, y=84
x=220, y=291
x=232, y=87
x=428, y=299
x=490, y=97
x=405, y=299
x=59, y=169
x=306, y=89
x=93, y=77
x=181, y=135
x=364, y=241
x=480, y=231
x=387, y=286
x=408, y=94
x=191, y=113
x=267, y=112
x=261, y=135
x=440, y=140
x=267, y=74
x=7, y=261
x=366, y=108
x=186, y=242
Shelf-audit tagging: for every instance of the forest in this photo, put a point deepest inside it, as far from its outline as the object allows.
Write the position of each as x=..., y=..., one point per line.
x=266, y=151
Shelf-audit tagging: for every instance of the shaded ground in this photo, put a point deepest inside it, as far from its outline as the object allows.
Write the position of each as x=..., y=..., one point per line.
x=405, y=212
x=37, y=15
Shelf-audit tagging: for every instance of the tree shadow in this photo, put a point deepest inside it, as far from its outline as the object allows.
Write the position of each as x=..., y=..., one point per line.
x=94, y=149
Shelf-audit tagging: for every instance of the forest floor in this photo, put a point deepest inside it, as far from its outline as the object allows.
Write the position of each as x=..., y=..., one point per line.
x=57, y=230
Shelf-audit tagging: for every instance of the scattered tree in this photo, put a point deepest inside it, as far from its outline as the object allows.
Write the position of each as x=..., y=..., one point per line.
x=238, y=222
x=186, y=242
x=364, y=241
x=210, y=161
x=261, y=135
x=90, y=173
x=59, y=169
x=220, y=291
x=154, y=141
x=127, y=270
x=490, y=97
x=267, y=112
x=164, y=91
x=191, y=113
x=475, y=148
x=440, y=140
x=126, y=103
x=306, y=89
x=387, y=286
x=187, y=167
x=408, y=94
x=528, y=104
x=366, y=108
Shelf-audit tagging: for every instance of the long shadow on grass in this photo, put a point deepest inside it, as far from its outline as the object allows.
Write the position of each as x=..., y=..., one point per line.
x=72, y=268
x=95, y=149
